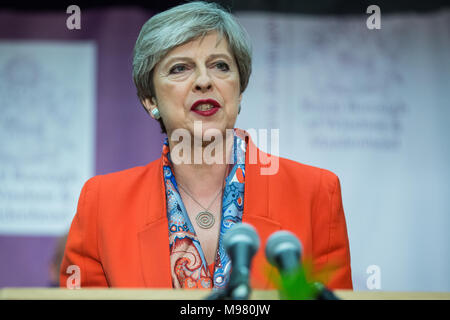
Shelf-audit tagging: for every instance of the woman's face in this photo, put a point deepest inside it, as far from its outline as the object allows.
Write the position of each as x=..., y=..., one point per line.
x=197, y=81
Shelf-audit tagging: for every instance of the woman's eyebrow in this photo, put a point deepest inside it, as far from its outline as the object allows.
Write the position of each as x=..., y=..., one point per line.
x=188, y=59
x=173, y=59
x=220, y=55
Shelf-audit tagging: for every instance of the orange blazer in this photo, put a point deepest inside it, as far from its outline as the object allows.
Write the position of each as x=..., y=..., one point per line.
x=119, y=235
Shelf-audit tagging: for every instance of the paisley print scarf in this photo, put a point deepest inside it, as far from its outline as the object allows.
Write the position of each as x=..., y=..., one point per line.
x=188, y=265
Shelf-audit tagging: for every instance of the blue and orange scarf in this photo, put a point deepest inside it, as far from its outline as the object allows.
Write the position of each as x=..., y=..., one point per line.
x=188, y=265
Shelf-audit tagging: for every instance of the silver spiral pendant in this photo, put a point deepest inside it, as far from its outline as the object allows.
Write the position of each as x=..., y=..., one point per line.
x=205, y=219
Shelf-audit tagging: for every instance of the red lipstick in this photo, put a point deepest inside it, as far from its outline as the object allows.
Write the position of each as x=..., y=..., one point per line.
x=215, y=107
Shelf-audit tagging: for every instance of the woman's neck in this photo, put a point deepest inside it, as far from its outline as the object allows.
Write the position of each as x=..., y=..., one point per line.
x=203, y=179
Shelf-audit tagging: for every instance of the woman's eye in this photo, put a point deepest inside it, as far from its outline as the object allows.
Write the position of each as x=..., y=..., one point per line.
x=177, y=69
x=223, y=66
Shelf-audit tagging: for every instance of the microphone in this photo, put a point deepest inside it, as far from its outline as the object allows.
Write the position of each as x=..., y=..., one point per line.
x=284, y=250
x=241, y=243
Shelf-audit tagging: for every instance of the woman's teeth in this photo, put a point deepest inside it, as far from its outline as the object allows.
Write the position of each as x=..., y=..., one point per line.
x=204, y=107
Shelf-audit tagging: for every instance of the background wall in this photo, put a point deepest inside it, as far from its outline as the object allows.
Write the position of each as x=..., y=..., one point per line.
x=118, y=134
x=370, y=105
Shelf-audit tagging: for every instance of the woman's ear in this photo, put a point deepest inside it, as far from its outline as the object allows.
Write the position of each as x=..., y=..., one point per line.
x=150, y=104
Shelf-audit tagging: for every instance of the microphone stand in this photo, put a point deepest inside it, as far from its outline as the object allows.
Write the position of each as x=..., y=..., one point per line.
x=323, y=293
x=241, y=292
x=294, y=285
x=237, y=289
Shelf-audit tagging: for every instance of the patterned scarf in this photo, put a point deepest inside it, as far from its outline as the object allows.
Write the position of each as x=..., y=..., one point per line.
x=188, y=265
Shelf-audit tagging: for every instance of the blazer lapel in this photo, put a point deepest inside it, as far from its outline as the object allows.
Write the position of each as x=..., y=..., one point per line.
x=257, y=212
x=154, y=237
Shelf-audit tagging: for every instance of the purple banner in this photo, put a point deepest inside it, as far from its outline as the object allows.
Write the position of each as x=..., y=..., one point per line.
x=125, y=135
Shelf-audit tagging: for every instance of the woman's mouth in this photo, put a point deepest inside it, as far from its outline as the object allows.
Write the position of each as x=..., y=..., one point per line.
x=206, y=107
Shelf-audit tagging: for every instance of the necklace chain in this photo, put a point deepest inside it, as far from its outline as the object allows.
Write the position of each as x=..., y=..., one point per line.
x=204, y=219
x=206, y=209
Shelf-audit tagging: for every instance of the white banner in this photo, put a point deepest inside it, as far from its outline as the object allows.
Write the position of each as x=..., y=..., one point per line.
x=373, y=106
x=47, y=132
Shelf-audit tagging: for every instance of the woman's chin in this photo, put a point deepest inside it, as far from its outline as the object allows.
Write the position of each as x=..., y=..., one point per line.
x=205, y=129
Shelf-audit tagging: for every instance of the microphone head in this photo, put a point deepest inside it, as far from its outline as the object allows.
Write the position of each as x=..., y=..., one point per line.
x=241, y=233
x=281, y=242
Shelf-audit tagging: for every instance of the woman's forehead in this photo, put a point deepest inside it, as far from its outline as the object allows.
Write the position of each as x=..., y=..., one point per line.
x=209, y=44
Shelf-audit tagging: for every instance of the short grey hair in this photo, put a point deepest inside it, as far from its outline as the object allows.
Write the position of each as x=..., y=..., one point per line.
x=178, y=25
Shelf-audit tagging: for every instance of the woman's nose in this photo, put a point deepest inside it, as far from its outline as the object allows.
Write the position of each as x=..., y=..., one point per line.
x=203, y=82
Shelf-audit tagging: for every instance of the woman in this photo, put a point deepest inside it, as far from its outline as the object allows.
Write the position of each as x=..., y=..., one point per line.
x=162, y=225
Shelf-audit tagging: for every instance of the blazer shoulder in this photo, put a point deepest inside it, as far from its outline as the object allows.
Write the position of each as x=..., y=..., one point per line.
x=126, y=176
x=293, y=169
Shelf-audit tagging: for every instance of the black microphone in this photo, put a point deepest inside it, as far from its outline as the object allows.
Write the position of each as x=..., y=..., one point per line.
x=283, y=250
x=241, y=243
